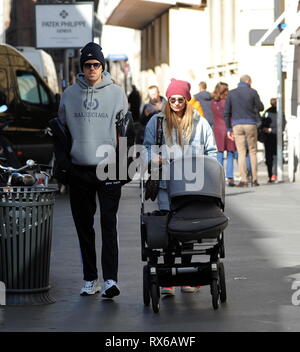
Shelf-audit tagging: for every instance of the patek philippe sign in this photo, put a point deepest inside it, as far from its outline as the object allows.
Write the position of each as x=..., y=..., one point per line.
x=64, y=25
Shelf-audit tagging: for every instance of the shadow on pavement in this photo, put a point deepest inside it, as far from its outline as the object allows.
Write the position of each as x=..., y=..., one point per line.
x=262, y=249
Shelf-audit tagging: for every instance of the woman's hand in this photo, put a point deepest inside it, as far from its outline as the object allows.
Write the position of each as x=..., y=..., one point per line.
x=230, y=135
x=158, y=160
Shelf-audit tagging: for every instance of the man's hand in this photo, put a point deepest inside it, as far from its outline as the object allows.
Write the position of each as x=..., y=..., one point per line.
x=267, y=130
x=230, y=135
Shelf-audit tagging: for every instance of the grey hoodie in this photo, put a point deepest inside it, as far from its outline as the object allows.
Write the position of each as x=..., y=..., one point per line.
x=90, y=114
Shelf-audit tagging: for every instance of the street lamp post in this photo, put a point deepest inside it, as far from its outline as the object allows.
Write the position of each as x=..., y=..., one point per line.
x=279, y=119
x=66, y=68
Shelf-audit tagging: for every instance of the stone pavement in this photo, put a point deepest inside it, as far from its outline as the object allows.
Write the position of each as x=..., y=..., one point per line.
x=262, y=245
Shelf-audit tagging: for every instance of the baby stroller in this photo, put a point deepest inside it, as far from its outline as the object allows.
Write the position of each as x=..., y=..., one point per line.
x=194, y=226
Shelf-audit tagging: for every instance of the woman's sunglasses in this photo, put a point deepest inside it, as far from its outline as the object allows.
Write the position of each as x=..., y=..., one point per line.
x=179, y=100
x=96, y=65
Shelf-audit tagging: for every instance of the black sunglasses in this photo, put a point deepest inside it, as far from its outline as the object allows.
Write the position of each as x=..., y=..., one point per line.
x=96, y=65
x=173, y=100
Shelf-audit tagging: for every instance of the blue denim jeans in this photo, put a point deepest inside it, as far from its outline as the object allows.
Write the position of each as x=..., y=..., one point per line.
x=231, y=156
x=248, y=163
x=230, y=161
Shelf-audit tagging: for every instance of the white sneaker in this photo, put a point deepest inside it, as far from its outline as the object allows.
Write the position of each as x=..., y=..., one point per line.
x=190, y=289
x=90, y=288
x=168, y=290
x=110, y=289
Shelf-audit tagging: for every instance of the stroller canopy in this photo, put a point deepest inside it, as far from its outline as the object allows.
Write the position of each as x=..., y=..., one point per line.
x=196, y=176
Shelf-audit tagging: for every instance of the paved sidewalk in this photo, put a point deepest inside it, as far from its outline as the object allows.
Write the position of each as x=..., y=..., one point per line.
x=262, y=245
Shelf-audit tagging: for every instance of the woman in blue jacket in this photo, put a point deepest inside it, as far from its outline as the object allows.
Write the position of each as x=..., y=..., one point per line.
x=182, y=125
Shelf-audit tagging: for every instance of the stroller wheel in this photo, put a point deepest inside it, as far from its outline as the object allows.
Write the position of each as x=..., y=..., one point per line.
x=223, y=295
x=146, y=291
x=214, y=288
x=155, y=297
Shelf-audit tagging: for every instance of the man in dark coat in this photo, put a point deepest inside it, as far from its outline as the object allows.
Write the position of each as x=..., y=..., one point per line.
x=134, y=100
x=241, y=113
x=156, y=104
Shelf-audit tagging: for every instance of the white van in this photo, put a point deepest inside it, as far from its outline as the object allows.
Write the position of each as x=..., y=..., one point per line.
x=43, y=63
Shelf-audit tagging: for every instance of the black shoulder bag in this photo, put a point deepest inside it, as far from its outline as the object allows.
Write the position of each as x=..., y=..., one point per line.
x=62, y=141
x=125, y=128
x=152, y=186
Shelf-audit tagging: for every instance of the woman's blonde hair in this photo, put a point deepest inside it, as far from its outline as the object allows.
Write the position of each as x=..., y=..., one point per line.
x=184, y=129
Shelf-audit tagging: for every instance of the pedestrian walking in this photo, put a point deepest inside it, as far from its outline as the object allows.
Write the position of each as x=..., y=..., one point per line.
x=204, y=98
x=182, y=125
x=224, y=144
x=241, y=109
x=155, y=104
x=134, y=100
x=269, y=129
x=89, y=109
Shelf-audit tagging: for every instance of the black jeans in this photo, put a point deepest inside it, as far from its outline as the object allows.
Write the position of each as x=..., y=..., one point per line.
x=84, y=186
x=270, y=151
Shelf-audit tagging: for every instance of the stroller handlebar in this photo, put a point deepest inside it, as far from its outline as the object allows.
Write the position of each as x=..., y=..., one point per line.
x=9, y=170
x=30, y=164
x=38, y=176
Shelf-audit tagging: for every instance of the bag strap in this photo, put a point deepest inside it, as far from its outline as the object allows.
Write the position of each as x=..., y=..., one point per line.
x=159, y=135
x=159, y=130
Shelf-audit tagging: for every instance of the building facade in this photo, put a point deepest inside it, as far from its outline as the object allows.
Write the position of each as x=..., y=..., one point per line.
x=198, y=40
x=286, y=53
x=165, y=32
x=219, y=40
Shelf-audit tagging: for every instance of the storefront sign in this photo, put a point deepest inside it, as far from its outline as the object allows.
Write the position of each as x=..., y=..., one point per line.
x=64, y=26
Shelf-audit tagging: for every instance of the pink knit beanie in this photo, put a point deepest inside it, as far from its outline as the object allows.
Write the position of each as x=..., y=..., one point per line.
x=177, y=87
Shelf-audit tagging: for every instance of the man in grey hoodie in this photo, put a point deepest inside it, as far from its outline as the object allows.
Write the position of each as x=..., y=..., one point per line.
x=89, y=109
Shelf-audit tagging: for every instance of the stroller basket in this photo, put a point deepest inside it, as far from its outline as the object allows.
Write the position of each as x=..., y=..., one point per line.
x=156, y=229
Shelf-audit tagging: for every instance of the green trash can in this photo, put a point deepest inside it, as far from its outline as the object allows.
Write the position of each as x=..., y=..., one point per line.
x=26, y=216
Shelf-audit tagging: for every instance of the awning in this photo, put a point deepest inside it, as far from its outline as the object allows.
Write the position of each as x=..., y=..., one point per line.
x=138, y=13
x=116, y=57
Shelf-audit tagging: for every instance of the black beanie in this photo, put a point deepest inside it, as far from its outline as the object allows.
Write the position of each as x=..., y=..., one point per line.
x=92, y=51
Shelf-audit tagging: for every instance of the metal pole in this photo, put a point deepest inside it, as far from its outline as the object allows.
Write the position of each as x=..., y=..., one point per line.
x=66, y=68
x=279, y=119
